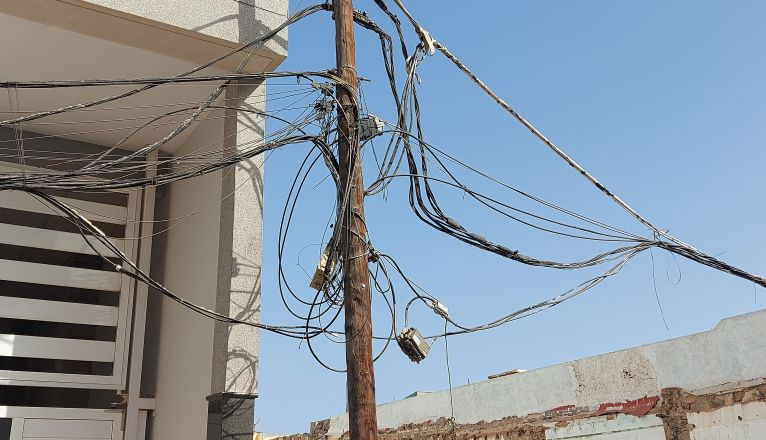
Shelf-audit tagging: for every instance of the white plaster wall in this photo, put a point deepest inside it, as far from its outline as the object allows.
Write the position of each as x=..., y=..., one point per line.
x=212, y=257
x=736, y=422
x=190, y=255
x=733, y=352
x=622, y=427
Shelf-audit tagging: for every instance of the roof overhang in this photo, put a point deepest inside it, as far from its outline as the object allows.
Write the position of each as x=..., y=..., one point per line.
x=139, y=32
x=72, y=39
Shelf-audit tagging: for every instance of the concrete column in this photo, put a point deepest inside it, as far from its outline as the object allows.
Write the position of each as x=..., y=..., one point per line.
x=204, y=373
x=235, y=347
x=234, y=381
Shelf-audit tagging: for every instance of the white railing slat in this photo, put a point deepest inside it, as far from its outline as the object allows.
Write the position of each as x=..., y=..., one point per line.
x=40, y=412
x=16, y=229
x=100, y=212
x=50, y=239
x=56, y=348
x=67, y=429
x=57, y=311
x=25, y=272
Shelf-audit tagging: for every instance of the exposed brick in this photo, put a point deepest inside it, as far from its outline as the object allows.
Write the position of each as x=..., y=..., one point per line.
x=673, y=414
x=753, y=395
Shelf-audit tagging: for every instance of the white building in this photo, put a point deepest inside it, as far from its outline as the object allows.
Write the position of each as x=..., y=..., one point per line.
x=89, y=353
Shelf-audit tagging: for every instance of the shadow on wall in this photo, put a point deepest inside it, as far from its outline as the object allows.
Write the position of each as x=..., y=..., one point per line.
x=250, y=24
x=242, y=364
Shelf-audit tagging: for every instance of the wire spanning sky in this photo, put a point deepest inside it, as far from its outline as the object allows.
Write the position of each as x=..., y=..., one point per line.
x=662, y=102
x=436, y=163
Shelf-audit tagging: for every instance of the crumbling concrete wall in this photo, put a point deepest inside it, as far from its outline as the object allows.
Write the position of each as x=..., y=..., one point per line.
x=710, y=385
x=723, y=358
x=734, y=413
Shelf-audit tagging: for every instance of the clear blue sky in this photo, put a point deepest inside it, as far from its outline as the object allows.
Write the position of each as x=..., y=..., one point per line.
x=665, y=102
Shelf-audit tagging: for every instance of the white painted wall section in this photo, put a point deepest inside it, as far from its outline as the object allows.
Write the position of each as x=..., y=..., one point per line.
x=622, y=427
x=736, y=422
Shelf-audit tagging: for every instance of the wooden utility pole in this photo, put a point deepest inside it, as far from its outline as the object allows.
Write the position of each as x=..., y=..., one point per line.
x=360, y=377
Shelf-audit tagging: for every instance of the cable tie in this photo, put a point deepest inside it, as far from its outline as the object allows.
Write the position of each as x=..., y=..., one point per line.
x=373, y=255
x=506, y=250
x=440, y=309
x=454, y=223
x=427, y=40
